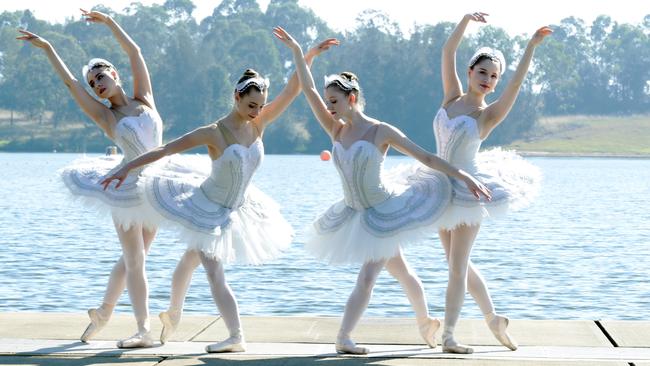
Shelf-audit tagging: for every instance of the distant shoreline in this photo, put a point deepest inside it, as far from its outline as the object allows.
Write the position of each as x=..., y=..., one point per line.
x=543, y=154
x=533, y=154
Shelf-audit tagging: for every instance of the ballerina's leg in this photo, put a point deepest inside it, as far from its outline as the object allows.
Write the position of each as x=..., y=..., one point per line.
x=462, y=239
x=412, y=285
x=356, y=305
x=227, y=305
x=133, y=254
x=180, y=284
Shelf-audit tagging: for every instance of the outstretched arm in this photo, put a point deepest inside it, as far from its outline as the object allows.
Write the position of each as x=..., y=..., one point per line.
x=450, y=81
x=98, y=112
x=271, y=111
x=199, y=137
x=395, y=138
x=497, y=111
x=141, y=82
x=327, y=121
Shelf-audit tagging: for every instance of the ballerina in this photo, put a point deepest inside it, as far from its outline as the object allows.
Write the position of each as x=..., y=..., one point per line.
x=376, y=216
x=134, y=125
x=461, y=124
x=222, y=218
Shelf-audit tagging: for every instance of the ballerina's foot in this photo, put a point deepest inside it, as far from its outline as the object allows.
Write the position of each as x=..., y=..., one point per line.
x=349, y=347
x=428, y=331
x=499, y=327
x=97, y=322
x=170, y=323
x=232, y=344
x=138, y=340
x=451, y=346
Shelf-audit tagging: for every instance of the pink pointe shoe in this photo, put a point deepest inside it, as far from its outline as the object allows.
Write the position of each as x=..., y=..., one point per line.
x=97, y=323
x=499, y=325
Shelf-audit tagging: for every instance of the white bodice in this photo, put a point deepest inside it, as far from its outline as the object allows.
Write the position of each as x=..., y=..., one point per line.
x=136, y=135
x=457, y=140
x=232, y=172
x=360, y=167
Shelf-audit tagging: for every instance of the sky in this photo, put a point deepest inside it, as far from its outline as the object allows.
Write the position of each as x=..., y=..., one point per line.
x=516, y=17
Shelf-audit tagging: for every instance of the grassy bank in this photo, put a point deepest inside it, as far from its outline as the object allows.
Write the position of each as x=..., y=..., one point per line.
x=589, y=135
x=25, y=134
x=564, y=135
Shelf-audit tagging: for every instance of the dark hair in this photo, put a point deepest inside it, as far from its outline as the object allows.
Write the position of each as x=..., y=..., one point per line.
x=351, y=77
x=249, y=74
x=485, y=57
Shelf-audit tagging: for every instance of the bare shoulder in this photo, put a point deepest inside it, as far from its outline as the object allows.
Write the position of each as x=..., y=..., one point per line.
x=387, y=129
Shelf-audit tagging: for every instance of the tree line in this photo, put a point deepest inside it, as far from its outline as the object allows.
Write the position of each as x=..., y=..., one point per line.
x=599, y=68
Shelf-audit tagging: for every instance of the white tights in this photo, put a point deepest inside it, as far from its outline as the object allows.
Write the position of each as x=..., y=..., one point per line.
x=463, y=276
x=360, y=296
x=129, y=272
x=221, y=291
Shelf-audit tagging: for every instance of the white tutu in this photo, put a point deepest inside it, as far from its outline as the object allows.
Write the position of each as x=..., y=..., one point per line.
x=127, y=204
x=513, y=182
x=381, y=212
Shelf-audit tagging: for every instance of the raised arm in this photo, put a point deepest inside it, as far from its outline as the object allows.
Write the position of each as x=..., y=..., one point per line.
x=395, y=138
x=450, y=81
x=327, y=121
x=497, y=111
x=141, y=83
x=271, y=111
x=199, y=137
x=98, y=112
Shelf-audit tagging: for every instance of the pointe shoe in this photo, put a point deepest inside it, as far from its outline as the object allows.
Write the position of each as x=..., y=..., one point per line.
x=348, y=346
x=138, y=340
x=428, y=331
x=498, y=325
x=232, y=344
x=451, y=346
x=169, y=325
x=97, y=322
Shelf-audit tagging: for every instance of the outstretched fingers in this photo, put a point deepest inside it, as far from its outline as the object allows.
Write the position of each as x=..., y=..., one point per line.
x=326, y=44
x=540, y=34
x=544, y=31
x=106, y=182
x=93, y=16
x=479, y=17
x=27, y=36
x=285, y=37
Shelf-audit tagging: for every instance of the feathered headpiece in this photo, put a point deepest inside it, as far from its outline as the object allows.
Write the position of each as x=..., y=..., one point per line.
x=344, y=83
x=492, y=54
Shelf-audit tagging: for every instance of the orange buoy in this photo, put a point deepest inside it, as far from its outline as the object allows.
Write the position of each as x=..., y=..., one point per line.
x=325, y=155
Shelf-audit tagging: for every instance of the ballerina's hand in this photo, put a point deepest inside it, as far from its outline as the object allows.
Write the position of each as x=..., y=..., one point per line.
x=540, y=34
x=33, y=38
x=119, y=175
x=323, y=46
x=477, y=188
x=477, y=17
x=94, y=16
x=286, y=38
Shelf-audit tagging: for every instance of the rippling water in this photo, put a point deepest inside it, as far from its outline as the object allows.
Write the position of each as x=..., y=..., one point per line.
x=582, y=251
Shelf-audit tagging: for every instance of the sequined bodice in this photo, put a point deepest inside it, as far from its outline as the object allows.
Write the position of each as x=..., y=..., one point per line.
x=136, y=135
x=457, y=140
x=360, y=167
x=232, y=173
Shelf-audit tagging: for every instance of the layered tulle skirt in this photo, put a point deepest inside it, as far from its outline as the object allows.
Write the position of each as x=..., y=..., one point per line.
x=252, y=233
x=513, y=182
x=127, y=204
x=417, y=201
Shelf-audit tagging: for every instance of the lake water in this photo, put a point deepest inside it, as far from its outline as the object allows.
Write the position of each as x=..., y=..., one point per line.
x=581, y=251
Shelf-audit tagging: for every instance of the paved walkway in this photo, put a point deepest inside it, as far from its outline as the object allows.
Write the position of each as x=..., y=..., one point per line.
x=51, y=339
